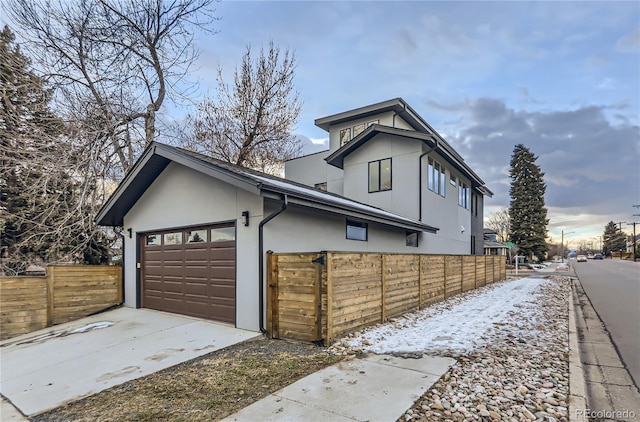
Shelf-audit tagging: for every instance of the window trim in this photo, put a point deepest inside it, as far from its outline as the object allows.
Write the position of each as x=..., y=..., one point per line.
x=359, y=225
x=379, y=166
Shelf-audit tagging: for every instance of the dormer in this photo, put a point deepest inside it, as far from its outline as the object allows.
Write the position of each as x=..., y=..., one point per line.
x=346, y=126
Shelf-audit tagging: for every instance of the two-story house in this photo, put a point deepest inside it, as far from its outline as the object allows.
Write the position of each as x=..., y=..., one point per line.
x=197, y=230
x=387, y=156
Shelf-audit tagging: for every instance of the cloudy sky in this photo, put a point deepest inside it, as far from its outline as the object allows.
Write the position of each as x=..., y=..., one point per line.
x=562, y=78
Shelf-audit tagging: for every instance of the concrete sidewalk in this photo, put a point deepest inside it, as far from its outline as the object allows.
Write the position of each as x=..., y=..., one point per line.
x=45, y=369
x=388, y=385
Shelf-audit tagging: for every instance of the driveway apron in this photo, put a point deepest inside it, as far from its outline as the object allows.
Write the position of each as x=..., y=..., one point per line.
x=45, y=369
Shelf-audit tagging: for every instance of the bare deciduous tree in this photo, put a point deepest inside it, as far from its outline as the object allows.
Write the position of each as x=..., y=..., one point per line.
x=499, y=222
x=112, y=62
x=251, y=123
x=41, y=217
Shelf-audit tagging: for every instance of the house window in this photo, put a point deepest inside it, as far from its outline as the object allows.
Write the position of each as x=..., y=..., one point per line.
x=345, y=136
x=380, y=175
x=474, y=204
x=358, y=129
x=436, y=177
x=321, y=186
x=412, y=239
x=463, y=195
x=473, y=245
x=452, y=180
x=357, y=230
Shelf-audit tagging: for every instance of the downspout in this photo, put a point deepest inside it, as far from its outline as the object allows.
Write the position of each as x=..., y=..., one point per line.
x=420, y=177
x=285, y=202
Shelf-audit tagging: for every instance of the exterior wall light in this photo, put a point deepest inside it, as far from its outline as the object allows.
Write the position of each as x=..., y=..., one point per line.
x=245, y=218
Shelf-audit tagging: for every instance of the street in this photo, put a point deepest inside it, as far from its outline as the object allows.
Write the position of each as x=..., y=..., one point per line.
x=613, y=287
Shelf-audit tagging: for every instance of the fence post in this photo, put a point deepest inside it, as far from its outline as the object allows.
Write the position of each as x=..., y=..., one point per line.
x=383, y=287
x=419, y=281
x=272, y=296
x=444, y=265
x=50, y=283
x=329, y=299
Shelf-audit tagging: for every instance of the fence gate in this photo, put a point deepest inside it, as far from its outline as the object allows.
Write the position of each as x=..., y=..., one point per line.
x=294, y=296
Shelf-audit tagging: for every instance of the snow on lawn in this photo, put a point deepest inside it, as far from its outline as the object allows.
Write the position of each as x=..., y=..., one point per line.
x=462, y=323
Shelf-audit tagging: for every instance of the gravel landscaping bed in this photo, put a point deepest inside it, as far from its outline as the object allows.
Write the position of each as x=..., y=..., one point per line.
x=518, y=370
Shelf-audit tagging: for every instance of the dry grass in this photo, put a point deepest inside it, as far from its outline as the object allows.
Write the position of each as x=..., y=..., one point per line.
x=204, y=389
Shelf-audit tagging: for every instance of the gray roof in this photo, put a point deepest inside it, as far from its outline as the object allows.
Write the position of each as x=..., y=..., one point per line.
x=158, y=156
x=397, y=105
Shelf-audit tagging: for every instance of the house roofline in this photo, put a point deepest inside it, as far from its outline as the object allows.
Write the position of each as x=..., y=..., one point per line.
x=158, y=156
x=336, y=159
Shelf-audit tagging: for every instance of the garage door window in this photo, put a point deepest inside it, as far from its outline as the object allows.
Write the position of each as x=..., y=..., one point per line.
x=223, y=234
x=196, y=236
x=172, y=238
x=153, y=240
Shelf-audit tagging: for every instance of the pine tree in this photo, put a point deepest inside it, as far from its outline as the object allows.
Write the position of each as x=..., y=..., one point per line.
x=613, y=239
x=527, y=211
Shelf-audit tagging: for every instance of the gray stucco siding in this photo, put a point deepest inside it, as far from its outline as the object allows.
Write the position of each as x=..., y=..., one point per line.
x=182, y=197
x=299, y=229
x=402, y=199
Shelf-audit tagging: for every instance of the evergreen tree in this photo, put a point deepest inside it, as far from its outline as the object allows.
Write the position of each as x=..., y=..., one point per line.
x=527, y=211
x=613, y=239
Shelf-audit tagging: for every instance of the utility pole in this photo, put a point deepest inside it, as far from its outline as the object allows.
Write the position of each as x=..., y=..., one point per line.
x=620, y=223
x=633, y=239
x=562, y=243
x=634, y=234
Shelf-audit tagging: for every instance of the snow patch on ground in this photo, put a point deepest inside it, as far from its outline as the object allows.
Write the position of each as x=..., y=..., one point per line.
x=462, y=324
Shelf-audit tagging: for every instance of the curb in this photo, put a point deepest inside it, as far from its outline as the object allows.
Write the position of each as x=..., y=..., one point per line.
x=577, y=384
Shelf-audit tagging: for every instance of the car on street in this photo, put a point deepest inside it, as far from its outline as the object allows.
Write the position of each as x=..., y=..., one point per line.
x=597, y=256
x=581, y=258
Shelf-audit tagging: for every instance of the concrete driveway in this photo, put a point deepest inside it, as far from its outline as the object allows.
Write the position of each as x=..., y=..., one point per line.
x=42, y=370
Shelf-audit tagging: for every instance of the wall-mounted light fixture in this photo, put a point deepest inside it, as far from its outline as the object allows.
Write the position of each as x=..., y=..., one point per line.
x=462, y=229
x=245, y=218
x=130, y=232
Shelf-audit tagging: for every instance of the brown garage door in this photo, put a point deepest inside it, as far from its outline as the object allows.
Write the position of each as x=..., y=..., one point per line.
x=191, y=272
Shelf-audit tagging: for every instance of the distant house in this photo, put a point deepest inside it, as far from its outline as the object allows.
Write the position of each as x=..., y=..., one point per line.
x=492, y=246
x=197, y=230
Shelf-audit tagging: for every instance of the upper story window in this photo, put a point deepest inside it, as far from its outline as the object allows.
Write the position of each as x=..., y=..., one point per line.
x=321, y=186
x=474, y=204
x=357, y=230
x=380, y=175
x=436, y=177
x=358, y=129
x=463, y=195
x=345, y=136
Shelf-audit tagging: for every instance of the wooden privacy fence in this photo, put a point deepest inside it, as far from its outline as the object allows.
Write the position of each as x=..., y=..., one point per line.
x=67, y=292
x=317, y=296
